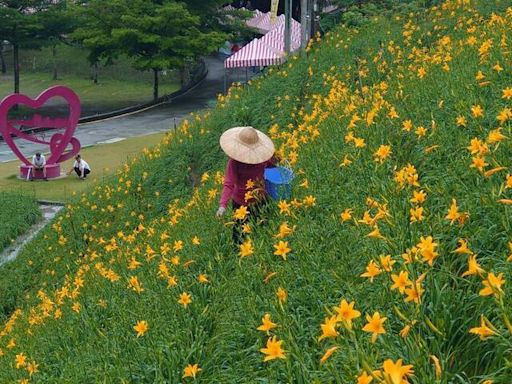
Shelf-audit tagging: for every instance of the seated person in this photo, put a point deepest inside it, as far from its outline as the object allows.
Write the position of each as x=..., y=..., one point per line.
x=81, y=168
x=38, y=164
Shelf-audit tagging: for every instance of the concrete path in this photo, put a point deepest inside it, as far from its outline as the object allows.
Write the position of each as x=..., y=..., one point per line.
x=11, y=252
x=157, y=119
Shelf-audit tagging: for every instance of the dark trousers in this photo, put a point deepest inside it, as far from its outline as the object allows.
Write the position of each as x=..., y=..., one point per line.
x=79, y=172
x=257, y=211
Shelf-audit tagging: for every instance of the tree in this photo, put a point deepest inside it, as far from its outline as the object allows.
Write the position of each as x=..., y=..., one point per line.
x=2, y=59
x=21, y=24
x=215, y=18
x=95, y=21
x=57, y=23
x=156, y=34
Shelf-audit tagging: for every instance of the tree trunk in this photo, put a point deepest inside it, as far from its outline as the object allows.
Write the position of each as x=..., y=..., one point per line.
x=54, y=54
x=155, y=84
x=95, y=73
x=2, y=60
x=16, y=63
x=185, y=74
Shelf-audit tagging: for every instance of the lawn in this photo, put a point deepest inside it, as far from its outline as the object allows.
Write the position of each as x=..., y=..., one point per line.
x=109, y=94
x=119, y=85
x=103, y=159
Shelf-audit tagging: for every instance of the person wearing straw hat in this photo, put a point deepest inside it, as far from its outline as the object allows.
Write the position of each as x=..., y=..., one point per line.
x=250, y=151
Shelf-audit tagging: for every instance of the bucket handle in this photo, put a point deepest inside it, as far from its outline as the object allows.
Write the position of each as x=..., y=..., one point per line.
x=287, y=166
x=285, y=163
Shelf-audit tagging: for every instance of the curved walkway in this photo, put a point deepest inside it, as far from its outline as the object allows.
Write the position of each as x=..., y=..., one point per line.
x=157, y=119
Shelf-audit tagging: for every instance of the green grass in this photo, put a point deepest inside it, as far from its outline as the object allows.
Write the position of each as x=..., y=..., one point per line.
x=119, y=85
x=72, y=60
x=104, y=159
x=17, y=214
x=125, y=251
x=107, y=95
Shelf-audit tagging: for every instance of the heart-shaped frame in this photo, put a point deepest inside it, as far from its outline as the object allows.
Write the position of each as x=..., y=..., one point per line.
x=58, y=141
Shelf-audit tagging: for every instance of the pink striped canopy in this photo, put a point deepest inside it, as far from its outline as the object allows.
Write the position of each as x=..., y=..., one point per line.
x=265, y=24
x=275, y=38
x=255, y=54
x=255, y=19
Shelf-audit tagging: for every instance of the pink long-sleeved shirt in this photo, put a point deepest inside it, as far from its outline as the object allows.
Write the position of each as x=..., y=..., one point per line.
x=235, y=180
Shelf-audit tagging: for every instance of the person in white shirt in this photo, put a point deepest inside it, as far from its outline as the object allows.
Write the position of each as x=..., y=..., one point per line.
x=81, y=168
x=38, y=164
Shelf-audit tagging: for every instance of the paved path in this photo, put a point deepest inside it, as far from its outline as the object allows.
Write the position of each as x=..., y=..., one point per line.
x=11, y=252
x=157, y=119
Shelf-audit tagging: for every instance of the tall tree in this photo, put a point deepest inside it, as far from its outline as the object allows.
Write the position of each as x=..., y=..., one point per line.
x=57, y=23
x=156, y=34
x=95, y=21
x=2, y=59
x=215, y=18
x=21, y=25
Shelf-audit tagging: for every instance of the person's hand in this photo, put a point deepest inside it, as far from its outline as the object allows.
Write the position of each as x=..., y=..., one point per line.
x=220, y=212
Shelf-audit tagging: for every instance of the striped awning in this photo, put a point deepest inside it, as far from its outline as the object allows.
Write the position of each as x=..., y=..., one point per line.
x=265, y=23
x=268, y=50
x=275, y=38
x=255, y=19
x=255, y=54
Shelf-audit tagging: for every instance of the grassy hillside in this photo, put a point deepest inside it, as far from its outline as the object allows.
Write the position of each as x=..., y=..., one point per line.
x=399, y=134
x=17, y=214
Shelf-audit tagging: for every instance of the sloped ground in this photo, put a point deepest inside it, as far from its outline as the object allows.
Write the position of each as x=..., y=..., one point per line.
x=17, y=214
x=47, y=213
x=399, y=136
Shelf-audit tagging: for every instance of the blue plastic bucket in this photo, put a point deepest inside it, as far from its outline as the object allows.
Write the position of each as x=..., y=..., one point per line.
x=278, y=182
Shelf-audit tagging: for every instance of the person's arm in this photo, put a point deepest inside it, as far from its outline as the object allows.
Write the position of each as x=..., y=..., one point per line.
x=72, y=168
x=229, y=186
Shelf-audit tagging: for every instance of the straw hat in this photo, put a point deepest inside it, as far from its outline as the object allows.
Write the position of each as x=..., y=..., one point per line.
x=247, y=145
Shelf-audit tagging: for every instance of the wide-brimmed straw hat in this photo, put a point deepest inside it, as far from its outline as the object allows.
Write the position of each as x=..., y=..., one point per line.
x=247, y=145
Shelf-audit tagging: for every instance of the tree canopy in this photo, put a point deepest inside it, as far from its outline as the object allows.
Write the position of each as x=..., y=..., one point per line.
x=29, y=24
x=157, y=34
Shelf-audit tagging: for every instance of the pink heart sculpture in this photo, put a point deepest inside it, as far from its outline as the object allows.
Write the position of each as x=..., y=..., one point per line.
x=58, y=141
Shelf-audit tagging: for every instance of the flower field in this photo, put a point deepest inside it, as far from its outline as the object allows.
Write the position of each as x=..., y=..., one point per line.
x=17, y=214
x=391, y=263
